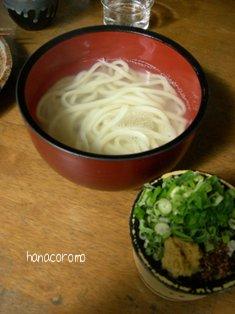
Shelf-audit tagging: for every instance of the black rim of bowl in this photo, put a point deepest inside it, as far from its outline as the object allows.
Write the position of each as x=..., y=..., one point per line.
x=21, y=82
x=162, y=275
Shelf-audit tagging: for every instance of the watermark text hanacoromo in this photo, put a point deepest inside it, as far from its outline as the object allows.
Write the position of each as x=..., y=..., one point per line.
x=55, y=258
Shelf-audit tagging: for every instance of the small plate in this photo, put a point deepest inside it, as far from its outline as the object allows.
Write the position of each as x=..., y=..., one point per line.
x=5, y=62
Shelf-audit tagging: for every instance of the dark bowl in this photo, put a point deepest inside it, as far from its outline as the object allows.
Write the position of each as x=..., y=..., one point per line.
x=158, y=279
x=78, y=50
x=32, y=15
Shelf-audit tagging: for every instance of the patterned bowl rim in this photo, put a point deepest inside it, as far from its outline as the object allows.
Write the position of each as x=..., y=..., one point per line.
x=7, y=65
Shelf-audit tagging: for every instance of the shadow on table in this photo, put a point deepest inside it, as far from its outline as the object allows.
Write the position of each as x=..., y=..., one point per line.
x=215, y=131
x=7, y=95
x=70, y=11
x=132, y=296
x=163, y=14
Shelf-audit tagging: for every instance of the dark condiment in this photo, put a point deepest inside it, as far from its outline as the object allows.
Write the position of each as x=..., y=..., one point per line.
x=32, y=14
x=217, y=264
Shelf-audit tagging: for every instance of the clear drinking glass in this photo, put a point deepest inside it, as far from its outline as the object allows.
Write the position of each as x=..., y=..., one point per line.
x=127, y=12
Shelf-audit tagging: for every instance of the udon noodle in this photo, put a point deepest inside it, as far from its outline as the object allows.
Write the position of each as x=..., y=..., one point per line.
x=112, y=109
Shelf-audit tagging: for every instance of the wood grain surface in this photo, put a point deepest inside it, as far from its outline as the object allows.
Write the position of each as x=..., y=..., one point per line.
x=42, y=212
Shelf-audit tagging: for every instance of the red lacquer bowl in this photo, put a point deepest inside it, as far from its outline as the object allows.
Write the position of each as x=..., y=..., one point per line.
x=78, y=50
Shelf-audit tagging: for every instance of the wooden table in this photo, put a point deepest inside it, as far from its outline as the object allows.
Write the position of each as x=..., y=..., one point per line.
x=42, y=212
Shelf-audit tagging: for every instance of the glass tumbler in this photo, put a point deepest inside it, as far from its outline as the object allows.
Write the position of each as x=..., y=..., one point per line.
x=127, y=12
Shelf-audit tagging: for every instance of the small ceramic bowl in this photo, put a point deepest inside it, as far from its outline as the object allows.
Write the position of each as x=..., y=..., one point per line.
x=5, y=62
x=75, y=51
x=32, y=14
x=159, y=280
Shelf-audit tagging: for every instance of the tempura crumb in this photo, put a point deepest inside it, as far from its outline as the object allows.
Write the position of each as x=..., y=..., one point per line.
x=181, y=258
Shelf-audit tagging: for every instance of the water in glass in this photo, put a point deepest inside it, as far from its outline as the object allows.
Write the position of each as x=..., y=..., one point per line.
x=132, y=13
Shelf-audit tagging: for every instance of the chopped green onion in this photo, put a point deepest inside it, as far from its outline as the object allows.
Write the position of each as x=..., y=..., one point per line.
x=191, y=206
x=162, y=229
x=164, y=206
x=209, y=246
x=216, y=198
x=232, y=223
